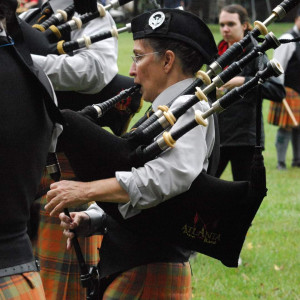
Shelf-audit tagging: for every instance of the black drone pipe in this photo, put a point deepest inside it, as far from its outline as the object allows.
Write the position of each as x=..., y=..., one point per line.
x=163, y=119
x=55, y=33
x=234, y=51
x=96, y=111
x=168, y=140
x=63, y=47
x=59, y=17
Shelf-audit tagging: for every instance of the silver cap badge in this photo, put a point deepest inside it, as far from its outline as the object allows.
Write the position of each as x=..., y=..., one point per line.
x=156, y=19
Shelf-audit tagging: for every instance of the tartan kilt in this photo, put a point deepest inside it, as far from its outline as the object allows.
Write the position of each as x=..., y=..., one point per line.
x=60, y=270
x=24, y=286
x=152, y=281
x=279, y=116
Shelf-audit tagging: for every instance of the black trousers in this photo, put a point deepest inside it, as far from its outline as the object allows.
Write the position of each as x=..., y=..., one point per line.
x=240, y=158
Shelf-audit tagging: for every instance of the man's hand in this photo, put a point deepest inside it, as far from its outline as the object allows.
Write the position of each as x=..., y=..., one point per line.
x=64, y=194
x=79, y=223
x=234, y=82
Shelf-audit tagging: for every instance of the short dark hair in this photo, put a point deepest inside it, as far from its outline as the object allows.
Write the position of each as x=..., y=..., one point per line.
x=176, y=25
x=7, y=9
x=191, y=60
x=4, y=10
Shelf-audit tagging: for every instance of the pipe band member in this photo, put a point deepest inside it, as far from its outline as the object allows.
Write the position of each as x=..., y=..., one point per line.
x=289, y=57
x=238, y=123
x=170, y=46
x=79, y=79
x=28, y=131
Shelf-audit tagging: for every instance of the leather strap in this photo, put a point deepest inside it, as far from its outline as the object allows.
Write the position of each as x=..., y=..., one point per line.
x=32, y=266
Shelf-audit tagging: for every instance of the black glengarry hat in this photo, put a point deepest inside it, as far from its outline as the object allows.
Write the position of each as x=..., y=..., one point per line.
x=178, y=25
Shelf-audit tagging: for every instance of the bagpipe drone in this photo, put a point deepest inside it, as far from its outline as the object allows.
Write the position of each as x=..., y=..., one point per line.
x=59, y=14
x=52, y=35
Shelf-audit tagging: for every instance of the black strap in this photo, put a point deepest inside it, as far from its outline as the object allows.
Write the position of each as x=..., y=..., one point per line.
x=32, y=266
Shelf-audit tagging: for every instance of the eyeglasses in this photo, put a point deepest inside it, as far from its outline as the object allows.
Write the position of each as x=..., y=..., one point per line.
x=137, y=58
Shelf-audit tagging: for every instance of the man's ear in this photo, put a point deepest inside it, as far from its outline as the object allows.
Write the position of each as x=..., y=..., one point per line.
x=169, y=60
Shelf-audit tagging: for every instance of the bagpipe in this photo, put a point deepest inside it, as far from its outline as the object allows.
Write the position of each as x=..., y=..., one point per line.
x=51, y=36
x=215, y=215
x=224, y=210
x=226, y=59
x=39, y=43
x=89, y=10
x=164, y=117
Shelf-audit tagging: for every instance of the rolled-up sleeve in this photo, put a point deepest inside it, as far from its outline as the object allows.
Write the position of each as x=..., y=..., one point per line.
x=172, y=172
x=88, y=70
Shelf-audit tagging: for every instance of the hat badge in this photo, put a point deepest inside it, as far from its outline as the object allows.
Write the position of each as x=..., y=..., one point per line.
x=156, y=20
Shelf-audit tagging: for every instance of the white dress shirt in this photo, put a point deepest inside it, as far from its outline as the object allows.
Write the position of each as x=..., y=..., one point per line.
x=173, y=171
x=88, y=70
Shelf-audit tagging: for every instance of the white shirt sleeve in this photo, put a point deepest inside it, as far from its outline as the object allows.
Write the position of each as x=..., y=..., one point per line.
x=284, y=53
x=88, y=70
x=172, y=172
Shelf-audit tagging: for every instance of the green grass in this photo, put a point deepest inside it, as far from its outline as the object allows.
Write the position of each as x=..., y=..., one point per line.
x=271, y=253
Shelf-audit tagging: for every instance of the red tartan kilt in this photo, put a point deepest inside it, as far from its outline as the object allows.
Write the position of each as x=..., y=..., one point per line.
x=279, y=116
x=22, y=286
x=152, y=281
x=60, y=270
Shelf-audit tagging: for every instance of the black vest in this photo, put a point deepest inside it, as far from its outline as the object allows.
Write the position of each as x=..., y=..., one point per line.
x=25, y=130
x=291, y=80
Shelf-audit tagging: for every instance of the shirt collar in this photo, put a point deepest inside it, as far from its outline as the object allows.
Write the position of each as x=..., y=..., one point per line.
x=171, y=92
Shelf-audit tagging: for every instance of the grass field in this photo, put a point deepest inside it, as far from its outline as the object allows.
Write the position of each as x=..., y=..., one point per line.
x=271, y=254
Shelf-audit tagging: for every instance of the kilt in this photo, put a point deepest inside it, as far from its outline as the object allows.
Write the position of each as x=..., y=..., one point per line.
x=26, y=286
x=60, y=270
x=152, y=281
x=279, y=116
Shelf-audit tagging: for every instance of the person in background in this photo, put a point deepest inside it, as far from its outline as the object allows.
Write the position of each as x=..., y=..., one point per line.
x=289, y=57
x=98, y=63
x=170, y=46
x=78, y=80
x=237, y=124
x=28, y=131
x=27, y=4
x=172, y=3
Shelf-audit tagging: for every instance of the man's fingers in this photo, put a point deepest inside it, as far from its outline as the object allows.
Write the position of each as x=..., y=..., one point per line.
x=55, y=208
x=63, y=217
x=51, y=194
x=69, y=244
x=69, y=234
